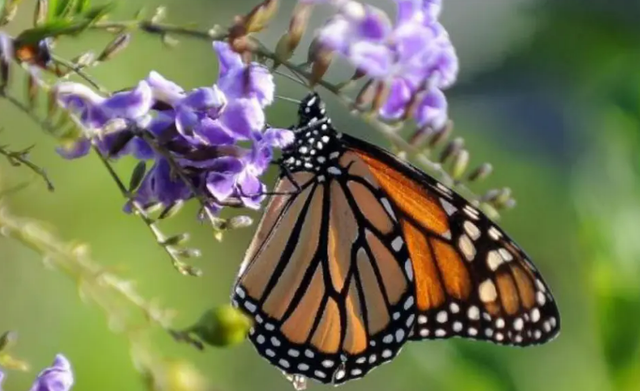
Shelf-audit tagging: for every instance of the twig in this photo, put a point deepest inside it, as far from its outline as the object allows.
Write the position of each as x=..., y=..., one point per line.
x=19, y=158
x=261, y=51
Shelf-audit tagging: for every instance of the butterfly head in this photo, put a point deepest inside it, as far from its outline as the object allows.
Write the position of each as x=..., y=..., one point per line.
x=311, y=109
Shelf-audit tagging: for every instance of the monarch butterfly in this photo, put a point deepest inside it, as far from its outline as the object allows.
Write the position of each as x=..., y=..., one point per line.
x=361, y=252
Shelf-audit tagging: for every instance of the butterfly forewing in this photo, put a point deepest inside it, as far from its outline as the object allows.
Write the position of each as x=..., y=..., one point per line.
x=471, y=280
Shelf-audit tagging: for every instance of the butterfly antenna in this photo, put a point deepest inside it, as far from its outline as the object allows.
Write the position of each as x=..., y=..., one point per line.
x=287, y=99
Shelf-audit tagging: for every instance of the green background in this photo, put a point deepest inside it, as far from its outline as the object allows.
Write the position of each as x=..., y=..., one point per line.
x=549, y=93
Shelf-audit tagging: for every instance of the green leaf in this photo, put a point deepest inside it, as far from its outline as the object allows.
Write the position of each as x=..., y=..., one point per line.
x=51, y=29
x=82, y=6
x=137, y=175
x=64, y=8
x=96, y=13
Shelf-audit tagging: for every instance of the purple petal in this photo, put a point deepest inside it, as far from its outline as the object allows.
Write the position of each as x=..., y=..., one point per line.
x=160, y=123
x=6, y=47
x=140, y=149
x=400, y=94
x=242, y=117
x=373, y=59
x=335, y=34
x=78, y=148
x=411, y=39
x=375, y=26
x=186, y=120
x=205, y=98
x=58, y=377
x=163, y=89
x=221, y=185
x=432, y=110
x=254, y=81
x=129, y=104
x=161, y=185
x=279, y=138
x=227, y=57
x=251, y=190
x=213, y=132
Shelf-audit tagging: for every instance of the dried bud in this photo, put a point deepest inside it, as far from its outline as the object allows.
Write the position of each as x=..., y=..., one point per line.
x=380, y=97
x=460, y=164
x=258, y=18
x=239, y=222
x=176, y=240
x=320, y=57
x=40, y=13
x=452, y=149
x=7, y=340
x=421, y=135
x=480, y=173
x=85, y=59
x=490, y=195
x=171, y=210
x=159, y=15
x=52, y=104
x=32, y=89
x=222, y=326
x=188, y=252
x=366, y=94
x=9, y=11
x=298, y=24
x=115, y=47
x=503, y=197
x=441, y=134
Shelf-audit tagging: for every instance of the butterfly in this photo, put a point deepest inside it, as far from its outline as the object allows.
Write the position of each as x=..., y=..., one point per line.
x=360, y=252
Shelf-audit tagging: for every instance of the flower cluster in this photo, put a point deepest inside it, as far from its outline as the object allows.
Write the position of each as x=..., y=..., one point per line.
x=413, y=57
x=57, y=377
x=199, y=130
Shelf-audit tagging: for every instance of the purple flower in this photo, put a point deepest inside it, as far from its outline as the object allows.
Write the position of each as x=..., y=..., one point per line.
x=198, y=130
x=103, y=119
x=238, y=80
x=6, y=48
x=57, y=377
x=413, y=56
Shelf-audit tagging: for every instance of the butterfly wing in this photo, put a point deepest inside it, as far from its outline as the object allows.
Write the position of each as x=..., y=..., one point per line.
x=326, y=286
x=471, y=279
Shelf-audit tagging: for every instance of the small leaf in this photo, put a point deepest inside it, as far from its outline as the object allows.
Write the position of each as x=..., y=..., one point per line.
x=50, y=29
x=97, y=12
x=82, y=6
x=41, y=12
x=171, y=210
x=63, y=9
x=176, y=240
x=7, y=340
x=137, y=175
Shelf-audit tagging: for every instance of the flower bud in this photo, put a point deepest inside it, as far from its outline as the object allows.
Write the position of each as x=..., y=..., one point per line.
x=116, y=46
x=222, y=326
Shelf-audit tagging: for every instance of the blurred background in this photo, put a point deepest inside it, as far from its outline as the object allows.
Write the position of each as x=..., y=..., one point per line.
x=549, y=93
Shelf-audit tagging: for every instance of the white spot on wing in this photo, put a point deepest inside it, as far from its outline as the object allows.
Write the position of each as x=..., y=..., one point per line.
x=450, y=209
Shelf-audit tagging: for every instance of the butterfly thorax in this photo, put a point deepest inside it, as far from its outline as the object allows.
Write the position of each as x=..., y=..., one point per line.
x=317, y=145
